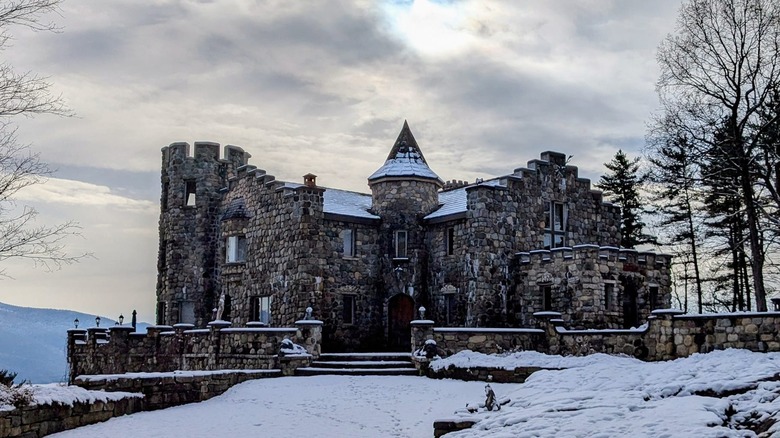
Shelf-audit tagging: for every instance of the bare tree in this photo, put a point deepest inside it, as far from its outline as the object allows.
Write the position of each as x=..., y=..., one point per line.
x=719, y=69
x=26, y=94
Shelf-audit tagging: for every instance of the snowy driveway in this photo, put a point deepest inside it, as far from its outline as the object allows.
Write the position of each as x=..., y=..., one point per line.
x=291, y=407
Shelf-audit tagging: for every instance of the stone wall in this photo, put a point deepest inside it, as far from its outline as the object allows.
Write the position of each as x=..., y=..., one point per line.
x=41, y=420
x=666, y=335
x=166, y=348
x=577, y=279
x=163, y=390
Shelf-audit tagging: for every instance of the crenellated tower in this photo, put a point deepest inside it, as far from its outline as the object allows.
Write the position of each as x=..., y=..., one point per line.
x=189, y=221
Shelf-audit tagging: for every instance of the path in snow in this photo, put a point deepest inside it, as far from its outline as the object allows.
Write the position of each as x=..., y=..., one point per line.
x=322, y=406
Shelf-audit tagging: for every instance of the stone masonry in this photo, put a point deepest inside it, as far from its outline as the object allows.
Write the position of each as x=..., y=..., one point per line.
x=484, y=254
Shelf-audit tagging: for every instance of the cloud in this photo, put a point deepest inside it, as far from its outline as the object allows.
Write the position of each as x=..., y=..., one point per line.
x=82, y=194
x=324, y=87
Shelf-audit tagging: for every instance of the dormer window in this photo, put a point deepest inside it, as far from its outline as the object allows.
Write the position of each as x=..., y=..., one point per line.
x=400, y=244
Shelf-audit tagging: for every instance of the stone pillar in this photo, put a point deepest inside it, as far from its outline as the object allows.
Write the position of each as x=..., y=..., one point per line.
x=120, y=347
x=181, y=342
x=215, y=339
x=549, y=322
x=661, y=330
x=310, y=335
x=76, y=340
x=422, y=330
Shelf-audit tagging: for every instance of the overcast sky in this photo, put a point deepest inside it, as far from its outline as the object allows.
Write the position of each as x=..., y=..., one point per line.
x=317, y=86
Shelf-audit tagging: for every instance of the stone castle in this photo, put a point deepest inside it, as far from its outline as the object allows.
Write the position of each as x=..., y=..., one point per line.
x=484, y=254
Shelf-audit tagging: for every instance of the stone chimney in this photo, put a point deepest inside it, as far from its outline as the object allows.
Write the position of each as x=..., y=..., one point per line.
x=310, y=180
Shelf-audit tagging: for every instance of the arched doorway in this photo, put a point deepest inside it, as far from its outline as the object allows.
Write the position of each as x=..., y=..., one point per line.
x=400, y=312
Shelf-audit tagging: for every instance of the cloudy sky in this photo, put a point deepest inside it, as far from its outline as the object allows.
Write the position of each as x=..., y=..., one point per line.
x=317, y=86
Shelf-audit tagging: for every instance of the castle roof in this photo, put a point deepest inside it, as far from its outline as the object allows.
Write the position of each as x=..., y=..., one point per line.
x=405, y=160
x=453, y=202
x=343, y=202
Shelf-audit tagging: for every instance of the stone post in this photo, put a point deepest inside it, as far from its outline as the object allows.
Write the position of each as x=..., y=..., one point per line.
x=181, y=342
x=310, y=335
x=422, y=330
x=215, y=340
x=549, y=322
x=76, y=340
x=661, y=330
x=120, y=347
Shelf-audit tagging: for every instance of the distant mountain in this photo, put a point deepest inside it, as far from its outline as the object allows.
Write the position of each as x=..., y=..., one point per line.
x=33, y=341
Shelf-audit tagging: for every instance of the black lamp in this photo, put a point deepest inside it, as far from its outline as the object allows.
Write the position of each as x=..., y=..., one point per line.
x=121, y=319
x=97, y=321
x=76, y=322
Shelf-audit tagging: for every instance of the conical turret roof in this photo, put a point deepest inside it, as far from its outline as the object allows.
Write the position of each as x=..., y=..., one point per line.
x=405, y=160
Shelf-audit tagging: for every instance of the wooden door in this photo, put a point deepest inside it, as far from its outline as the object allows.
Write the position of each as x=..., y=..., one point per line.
x=400, y=312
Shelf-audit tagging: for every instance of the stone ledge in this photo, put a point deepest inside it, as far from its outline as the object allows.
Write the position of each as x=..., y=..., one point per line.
x=445, y=426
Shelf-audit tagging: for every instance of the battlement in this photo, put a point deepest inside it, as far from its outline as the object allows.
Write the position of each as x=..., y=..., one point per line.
x=118, y=350
x=603, y=253
x=204, y=151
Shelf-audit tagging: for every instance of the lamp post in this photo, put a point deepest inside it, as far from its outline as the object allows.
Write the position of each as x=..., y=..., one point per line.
x=76, y=322
x=97, y=321
x=121, y=319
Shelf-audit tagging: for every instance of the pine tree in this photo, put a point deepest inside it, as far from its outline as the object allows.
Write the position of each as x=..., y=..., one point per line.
x=621, y=186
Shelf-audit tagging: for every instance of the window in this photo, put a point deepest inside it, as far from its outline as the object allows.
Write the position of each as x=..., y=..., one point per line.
x=653, y=297
x=254, y=309
x=400, y=244
x=235, y=251
x=264, y=309
x=164, y=197
x=554, y=224
x=161, y=312
x=348, y=237
x=450, y=307
x=547, y=297
x=187, y=312
x=609, y=295
x=349, y=309
x=189, y=193
x=450, y=239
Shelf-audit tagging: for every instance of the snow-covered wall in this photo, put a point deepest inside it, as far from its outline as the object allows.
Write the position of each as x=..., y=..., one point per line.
x=667, y=334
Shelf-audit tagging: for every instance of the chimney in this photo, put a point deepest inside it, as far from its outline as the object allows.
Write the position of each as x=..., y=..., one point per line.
x=310, y=180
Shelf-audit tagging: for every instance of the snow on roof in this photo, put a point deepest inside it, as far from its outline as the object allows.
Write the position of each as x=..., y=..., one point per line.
x=408, y=163
x=347, y=203
x=454, y=201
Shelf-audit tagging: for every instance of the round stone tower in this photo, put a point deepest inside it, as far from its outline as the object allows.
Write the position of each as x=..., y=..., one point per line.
x=189, y=209
x=404, y=190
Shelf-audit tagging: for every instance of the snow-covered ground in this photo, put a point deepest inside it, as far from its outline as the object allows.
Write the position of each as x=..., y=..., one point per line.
x=597, y=396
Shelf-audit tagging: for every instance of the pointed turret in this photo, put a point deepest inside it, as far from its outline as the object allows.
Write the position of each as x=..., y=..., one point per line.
x=405, y=161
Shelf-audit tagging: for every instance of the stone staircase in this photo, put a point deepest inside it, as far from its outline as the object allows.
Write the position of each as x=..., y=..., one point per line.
x=360, y=364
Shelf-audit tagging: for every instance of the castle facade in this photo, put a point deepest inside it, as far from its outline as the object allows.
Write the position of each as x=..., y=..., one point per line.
x=484, y=254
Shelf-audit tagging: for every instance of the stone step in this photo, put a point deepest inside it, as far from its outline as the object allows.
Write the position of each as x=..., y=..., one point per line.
x=370, y=357
x=316, y=371
x=362, y=364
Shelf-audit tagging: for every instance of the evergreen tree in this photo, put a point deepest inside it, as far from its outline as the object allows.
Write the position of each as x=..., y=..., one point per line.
x=621, y=185
x=676, y=173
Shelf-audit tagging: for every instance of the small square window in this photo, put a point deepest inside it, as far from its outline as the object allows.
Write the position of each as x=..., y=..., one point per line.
x=349, y=309
x=235, y=249
x=400, y=245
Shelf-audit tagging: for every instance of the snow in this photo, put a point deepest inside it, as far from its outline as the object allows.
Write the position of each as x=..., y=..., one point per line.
x=298, y=407
x=409, y=163
x=48, y=394
x=454, y=201
x=594, y=396
x=159, y=375
x=347, y=203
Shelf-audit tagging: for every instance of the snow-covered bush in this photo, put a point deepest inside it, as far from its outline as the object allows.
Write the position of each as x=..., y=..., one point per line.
x=14, y=395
